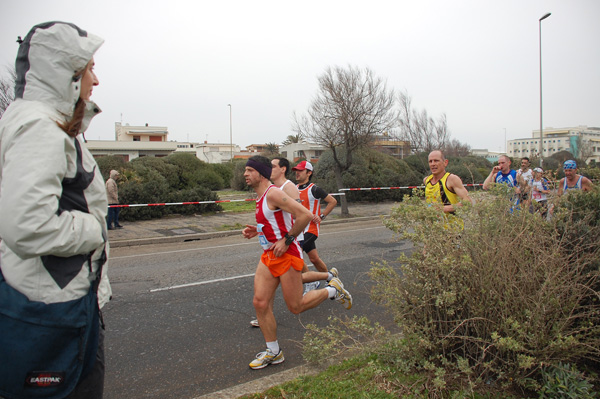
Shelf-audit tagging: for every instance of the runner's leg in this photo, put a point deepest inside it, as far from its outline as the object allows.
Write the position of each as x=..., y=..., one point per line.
x=264, y=291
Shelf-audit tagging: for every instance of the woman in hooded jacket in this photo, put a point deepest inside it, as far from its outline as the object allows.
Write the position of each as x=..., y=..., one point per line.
x=52, y=196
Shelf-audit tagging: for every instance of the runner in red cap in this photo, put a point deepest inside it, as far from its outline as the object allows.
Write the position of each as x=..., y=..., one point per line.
x=311, y=196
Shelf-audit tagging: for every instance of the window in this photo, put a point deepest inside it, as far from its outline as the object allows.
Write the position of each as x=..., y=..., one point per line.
x=136, y=138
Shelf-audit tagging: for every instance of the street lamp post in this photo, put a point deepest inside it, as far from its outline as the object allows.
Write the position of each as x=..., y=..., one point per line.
x=230, y=135
x=541, y=119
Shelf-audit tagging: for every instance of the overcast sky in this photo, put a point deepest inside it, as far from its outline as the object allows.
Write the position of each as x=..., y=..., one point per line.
x=179, y=63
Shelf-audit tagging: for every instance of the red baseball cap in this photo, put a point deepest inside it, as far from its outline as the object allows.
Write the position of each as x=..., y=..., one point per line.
x=303, y=165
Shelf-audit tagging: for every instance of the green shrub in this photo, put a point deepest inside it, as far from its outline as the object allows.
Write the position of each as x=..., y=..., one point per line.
x=492, y=294
x=505, y=294
x=197, y=194
x=108, y=163
x=237, y=181
x=370, y=168
x=150, y=189
x=225, y=171
x=168, y=171
x=565, y=381
x=194, y=172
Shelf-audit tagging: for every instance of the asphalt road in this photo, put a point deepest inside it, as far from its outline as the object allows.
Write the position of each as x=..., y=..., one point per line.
x=178, y=324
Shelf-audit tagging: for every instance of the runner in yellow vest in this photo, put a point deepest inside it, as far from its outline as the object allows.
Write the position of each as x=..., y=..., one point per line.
x=443, y=187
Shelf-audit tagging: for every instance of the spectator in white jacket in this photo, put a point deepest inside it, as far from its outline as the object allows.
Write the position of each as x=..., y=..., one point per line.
x=52, y=196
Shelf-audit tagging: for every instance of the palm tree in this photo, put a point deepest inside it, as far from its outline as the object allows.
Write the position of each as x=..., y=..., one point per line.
x=293, y=138
x=271, y=149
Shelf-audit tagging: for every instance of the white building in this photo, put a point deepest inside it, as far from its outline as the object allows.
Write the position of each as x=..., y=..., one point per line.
x=152, y=141
x=216, y=152
x=296, y=151
x=581, y=141
x=491, y=156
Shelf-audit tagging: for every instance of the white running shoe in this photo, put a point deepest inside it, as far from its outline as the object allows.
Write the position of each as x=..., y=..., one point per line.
x=263, y=359
x=311, y=286
x=341, y=295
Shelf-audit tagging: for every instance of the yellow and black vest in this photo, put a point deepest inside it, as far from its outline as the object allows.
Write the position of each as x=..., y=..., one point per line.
x=439, y=193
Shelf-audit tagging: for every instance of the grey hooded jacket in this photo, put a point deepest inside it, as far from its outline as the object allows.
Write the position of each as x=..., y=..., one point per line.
x=52, y=195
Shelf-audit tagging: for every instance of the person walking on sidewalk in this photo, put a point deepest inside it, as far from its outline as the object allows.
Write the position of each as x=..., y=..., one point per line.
x=281, y=261
x=112, y=194
x=280, y=167
x=311, y=196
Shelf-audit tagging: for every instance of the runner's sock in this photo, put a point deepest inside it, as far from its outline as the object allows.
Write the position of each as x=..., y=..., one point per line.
x=329, y=277
x=331, y=291
x=274, y=346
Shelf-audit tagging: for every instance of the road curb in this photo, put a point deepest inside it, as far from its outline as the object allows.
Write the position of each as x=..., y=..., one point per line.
x=214, y=234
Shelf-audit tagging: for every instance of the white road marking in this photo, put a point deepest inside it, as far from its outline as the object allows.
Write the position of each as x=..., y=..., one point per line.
x=201, y=283
x=225, y=246
x=217, y=247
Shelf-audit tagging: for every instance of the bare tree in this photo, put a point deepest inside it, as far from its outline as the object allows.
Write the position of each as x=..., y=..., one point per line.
x=423, y=132
x=455, y=148
x=584, y=148
x=7, y=89
x=351, y=107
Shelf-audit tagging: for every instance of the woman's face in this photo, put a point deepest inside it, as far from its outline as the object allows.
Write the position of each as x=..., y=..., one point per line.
x=88, y=81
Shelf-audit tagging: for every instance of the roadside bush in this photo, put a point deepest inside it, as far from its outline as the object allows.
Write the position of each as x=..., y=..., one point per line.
x=237, y=181
x=166, y=170
x=194, y=172
x=192, y=195
x=225, y=171
x=494, y=302
x=370, y=168
x=108, y=163
x=150, y=189
x=565, y=381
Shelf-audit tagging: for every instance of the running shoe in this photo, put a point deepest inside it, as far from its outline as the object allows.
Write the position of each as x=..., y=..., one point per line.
x=341, y=295
x=263, y=359
x=311, y=286
x=254, y=323
x=334, y=272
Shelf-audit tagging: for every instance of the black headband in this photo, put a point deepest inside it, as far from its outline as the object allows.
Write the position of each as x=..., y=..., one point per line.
x=264, y=170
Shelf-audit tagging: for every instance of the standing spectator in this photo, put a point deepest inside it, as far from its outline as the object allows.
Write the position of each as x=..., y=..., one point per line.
x=112, y=194
x=54, y=251
x=311, y=196
x=539, y=191
x=573, y=180
x=524, y=179
x=502, y=173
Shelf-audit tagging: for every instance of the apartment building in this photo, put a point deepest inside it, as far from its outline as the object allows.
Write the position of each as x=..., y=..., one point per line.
x=581, y=141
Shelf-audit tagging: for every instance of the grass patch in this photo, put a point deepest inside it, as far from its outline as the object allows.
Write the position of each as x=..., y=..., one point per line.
x=231, y=193
x=363, y=377
x=228, y=227
x=241, y=206
x=354, y=378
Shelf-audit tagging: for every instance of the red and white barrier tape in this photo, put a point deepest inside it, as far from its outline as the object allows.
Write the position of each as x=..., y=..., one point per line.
x=394, y=188
x=189, y=203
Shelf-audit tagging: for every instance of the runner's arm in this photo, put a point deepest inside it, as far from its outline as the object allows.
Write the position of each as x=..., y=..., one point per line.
x=586, y=184
x=490, y=179
x=561, y=184
x=455, y=184
x=249, y=231
x=301, y=215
